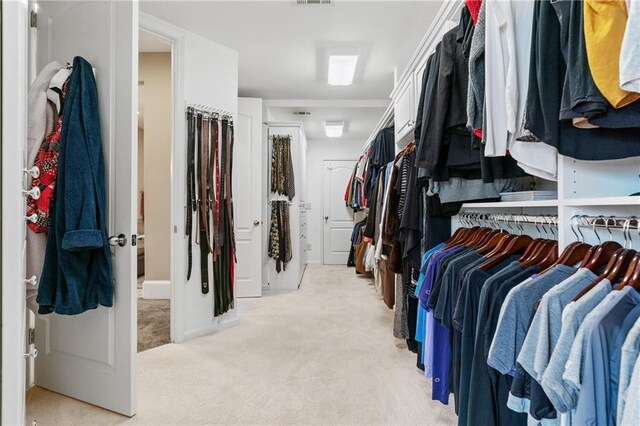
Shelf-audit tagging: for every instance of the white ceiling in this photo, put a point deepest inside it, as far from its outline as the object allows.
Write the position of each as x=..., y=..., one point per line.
x=359, y=122
x=283, y=47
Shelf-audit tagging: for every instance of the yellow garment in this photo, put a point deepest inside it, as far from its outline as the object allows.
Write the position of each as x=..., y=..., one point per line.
x=604, y=25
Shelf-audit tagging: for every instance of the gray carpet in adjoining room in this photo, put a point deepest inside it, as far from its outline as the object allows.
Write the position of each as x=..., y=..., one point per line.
x=154, y=323
x=322, y=355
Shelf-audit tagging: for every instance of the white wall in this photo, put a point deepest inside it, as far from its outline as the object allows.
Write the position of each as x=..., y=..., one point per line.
x=319, y=151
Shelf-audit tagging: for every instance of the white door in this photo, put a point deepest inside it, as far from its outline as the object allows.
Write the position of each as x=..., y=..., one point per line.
x=338, y=219
x=247, y=189
x=92, y=356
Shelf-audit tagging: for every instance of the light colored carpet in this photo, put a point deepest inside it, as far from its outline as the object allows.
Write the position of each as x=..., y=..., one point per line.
x=322, y=355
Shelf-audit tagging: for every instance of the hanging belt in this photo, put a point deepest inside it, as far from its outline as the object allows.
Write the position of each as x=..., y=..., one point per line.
x=191, y=186
x=203, y=151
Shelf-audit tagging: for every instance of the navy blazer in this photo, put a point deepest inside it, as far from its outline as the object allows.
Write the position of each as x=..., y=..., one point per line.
x=77, y=274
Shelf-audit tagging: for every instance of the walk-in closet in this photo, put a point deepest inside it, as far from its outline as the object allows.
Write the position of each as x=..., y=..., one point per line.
x=320, y=212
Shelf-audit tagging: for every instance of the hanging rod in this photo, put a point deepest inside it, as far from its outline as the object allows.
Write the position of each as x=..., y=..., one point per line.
x=610, y=222
x=279, y=201
x=216, y=112
x=540, y=219
x=579, y=221
x=280, y=136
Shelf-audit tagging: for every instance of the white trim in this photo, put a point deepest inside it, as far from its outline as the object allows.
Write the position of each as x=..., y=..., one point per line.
x=155, y=289
x=222, y=323
x=428, y=43
x=176, y=37
x=14, y=136
x=327, y=103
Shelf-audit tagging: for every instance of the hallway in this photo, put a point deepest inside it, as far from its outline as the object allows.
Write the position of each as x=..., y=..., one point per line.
x=322, y=355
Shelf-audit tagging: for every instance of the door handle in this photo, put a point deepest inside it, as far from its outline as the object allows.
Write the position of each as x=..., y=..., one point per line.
x=32, y=354
x=120, y=240
x=256, y=223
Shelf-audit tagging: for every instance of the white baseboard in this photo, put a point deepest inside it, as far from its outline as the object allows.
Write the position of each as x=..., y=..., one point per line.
x=156, y=289
x=313, y=262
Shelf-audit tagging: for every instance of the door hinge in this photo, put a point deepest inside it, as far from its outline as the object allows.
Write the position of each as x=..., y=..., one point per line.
x=34, y=19
x=134, y=240
x=32, y=336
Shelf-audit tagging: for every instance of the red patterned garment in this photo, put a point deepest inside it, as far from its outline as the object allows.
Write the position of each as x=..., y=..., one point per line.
x=47, y=163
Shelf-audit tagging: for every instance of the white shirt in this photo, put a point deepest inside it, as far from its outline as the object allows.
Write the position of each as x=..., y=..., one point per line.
x=509, y=25
x=630, y=50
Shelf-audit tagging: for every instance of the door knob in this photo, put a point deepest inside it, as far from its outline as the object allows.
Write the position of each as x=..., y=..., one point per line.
x=256, y=222
x=120, y=240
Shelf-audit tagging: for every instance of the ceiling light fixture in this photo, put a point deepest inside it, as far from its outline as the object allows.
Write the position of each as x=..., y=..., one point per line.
x=334, y=128
x=342, y=69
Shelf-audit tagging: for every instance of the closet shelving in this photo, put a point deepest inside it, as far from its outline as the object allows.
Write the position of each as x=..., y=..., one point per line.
x=604, y=201
x=512, y=204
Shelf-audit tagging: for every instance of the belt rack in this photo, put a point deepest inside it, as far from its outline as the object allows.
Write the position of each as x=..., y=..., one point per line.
x=210, y=112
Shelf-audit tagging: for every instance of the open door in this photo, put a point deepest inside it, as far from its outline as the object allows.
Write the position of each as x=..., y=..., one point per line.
x=248, y=184
x=92, y=356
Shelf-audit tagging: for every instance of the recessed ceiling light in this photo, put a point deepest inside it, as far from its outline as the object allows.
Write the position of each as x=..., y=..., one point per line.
x=334, y=128
x=342, y=69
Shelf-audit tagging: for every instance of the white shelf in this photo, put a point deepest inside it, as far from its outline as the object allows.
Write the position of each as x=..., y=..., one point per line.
x=511, y=204
x=604, y=201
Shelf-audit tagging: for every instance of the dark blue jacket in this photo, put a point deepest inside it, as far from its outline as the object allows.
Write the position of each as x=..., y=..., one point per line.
x=77, y=273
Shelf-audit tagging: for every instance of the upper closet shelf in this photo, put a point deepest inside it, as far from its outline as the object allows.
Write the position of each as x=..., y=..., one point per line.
x=512, y=204
x=604, y=201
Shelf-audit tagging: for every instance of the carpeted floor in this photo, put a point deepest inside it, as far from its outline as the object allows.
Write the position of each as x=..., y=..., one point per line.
x=154, y=321
x=322, y=355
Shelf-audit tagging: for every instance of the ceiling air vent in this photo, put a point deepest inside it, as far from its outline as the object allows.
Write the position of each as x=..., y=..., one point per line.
x=301, y=113
x=305, y=2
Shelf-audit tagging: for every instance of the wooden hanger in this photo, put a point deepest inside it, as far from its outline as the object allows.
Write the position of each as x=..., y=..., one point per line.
x=634, y=279
x=551, y=258
x=534, y=246
x=541, y=253
x=457, y=236
x=573, y=255
x=629, y=272
x=601, y=255
x=495, y=243
x=615, y=269
x=477, y=236
x=516, y=245
x=485, y=239
x=632, y=275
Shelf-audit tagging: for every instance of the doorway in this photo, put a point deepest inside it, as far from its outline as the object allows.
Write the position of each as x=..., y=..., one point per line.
x=338, y=219
x=153, y=248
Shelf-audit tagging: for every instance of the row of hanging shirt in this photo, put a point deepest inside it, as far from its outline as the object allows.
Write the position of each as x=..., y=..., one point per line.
x=363, y=179
x=517, y=82
x=520, y=336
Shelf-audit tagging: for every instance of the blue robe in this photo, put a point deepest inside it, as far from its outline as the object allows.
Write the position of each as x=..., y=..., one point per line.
x=77, y=274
